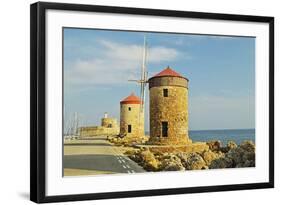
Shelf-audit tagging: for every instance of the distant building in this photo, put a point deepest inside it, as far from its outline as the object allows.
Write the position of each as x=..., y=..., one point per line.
x=168, y=101
x=131, y=117
x=109, y=127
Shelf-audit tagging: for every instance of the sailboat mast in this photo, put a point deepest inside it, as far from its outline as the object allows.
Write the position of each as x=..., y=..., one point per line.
x=77, y=123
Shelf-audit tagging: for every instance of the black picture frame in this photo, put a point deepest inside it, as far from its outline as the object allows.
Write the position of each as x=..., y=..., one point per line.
x=38, y=100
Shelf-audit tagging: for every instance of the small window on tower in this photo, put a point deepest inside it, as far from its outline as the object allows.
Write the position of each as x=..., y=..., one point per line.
x=164, y=129
x=129, y=108
x=129, y=128
x=165, y=92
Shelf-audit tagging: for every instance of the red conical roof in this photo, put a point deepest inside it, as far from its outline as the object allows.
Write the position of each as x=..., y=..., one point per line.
x=168, y=72
x=131, y=99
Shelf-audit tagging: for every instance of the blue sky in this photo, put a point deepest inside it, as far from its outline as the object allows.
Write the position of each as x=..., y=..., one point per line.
x=220, y=69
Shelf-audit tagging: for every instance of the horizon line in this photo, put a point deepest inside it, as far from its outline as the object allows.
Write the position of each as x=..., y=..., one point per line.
x=220, y=129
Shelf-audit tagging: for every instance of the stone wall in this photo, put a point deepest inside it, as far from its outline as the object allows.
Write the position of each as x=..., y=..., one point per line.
x=172, y=109
x=108, y=127
x=98, y=131
x=131, y=117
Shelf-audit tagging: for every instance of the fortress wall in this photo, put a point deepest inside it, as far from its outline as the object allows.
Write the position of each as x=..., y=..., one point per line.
x=108, y=126
x=98, y=131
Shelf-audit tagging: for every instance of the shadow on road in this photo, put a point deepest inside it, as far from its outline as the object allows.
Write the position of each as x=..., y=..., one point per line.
x=93, y=162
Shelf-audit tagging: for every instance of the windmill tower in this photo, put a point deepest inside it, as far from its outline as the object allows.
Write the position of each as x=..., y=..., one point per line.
x=131, y=122
x=168, y=95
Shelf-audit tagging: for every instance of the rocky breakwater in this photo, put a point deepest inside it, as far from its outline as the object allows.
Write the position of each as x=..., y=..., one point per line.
x=128, y=141
x=215, y=157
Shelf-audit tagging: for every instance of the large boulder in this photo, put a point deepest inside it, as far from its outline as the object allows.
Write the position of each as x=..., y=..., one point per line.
x=183, y=157
x=249, y=156
x=243, y=155
x=223, y=162
x=171, y=162
x=248, y=146
x=131, y=151
x=231, y=145
x=214, y=145
x=236, y=155
x=195, y=162
x=148, y=161
x=249, y=163
x=134, y=154
x=209, y=156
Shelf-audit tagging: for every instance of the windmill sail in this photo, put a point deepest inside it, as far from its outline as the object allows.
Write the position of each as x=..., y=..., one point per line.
x=143, y=75
x=142, y=81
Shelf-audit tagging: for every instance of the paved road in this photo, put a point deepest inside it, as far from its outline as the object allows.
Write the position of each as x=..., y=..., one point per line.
x=96, y=156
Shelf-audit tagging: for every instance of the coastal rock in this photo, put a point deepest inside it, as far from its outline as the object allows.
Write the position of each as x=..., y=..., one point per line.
x=194, y=162
x=115, y=139
x=230, y=156
x=148, y=160
x=128, y=141
x=171, y=162
x=248, y=146
x=243, y=155
x=209, y=156
x=223, y=162
x=173, y=166
x=236, y=155
x=249, y=163
x=136, y=157
x=131, y=152
x=248, y=156
x=214, y=145
x=183, y=157
x=231, y=145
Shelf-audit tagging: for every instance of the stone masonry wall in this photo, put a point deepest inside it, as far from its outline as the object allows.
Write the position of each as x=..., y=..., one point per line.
x=109, y=122
x=98, y=131
x=168, y=81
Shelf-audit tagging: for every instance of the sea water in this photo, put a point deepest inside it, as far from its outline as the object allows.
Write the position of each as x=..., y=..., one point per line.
x=236, y=135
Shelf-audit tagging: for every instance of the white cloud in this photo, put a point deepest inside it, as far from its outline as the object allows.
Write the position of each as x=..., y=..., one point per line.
x=132, y=52
x=115, y=64
x=99, y=71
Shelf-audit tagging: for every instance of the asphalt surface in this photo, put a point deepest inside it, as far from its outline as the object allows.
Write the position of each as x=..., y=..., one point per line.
x=98, y=156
